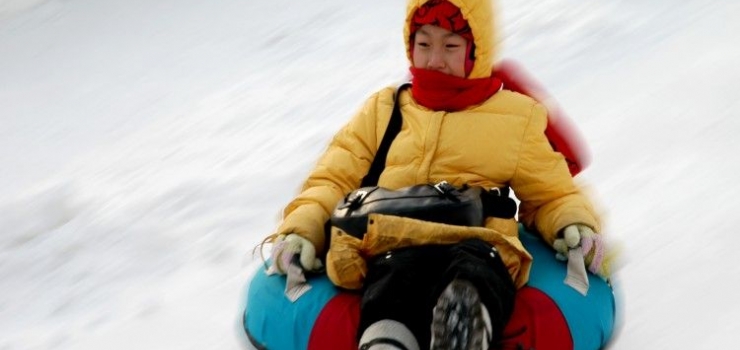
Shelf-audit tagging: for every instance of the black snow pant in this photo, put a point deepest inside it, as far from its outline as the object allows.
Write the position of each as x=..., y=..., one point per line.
x=404, y=285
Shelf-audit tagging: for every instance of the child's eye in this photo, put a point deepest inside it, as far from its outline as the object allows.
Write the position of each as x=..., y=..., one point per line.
x=422, y=44
x=452, y=46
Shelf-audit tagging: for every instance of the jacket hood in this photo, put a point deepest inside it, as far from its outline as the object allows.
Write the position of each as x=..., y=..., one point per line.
x=481, y=19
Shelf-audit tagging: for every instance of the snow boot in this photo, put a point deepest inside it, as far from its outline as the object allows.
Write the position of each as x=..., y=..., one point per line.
x=458, y=321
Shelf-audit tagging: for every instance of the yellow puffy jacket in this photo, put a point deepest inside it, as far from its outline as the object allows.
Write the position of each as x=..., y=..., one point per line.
x=500, y=142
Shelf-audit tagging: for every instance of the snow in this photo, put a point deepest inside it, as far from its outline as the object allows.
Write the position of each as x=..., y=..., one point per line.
x=147, y=147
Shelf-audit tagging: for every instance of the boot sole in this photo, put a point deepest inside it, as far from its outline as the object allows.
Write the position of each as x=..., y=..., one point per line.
x=457, y=322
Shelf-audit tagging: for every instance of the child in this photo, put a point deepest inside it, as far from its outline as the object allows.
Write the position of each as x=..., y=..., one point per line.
x=454, y=287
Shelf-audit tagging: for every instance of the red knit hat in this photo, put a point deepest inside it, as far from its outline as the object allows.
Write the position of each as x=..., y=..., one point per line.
x=444, y=14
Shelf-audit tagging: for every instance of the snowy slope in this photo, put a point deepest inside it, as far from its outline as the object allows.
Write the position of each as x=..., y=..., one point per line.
x=147, y=147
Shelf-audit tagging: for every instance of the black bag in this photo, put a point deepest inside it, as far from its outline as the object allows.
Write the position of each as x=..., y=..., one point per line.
x=441, y=203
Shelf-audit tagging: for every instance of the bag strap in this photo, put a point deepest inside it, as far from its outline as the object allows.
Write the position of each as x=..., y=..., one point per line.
x=378, y=164
x=394, y=127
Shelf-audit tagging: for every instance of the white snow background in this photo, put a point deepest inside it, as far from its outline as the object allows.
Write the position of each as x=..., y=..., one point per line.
x=147, y=146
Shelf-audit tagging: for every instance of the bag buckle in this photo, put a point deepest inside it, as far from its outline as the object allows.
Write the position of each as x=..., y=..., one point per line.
x=357, y=198
x=443, y=187
x=499, y=191
x=446, y=190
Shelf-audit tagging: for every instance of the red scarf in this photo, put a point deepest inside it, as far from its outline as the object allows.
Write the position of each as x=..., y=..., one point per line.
x=443, y=92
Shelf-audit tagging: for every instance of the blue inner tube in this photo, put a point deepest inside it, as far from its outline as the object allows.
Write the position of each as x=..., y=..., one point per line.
x=272, y=321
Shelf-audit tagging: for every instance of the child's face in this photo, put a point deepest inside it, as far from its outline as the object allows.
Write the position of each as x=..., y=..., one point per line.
x=439, y=49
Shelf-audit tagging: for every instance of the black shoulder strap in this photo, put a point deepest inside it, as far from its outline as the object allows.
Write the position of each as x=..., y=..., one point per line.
x=394, y=127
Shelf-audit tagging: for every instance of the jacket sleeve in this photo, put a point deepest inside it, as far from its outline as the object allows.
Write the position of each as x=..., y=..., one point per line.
x=339, y=170
x=550, y=200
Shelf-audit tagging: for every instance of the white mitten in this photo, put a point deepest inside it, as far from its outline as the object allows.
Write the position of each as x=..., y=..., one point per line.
x=285, y=249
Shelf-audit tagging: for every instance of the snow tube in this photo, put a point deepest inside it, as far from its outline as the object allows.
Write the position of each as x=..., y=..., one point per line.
x=548, y=314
